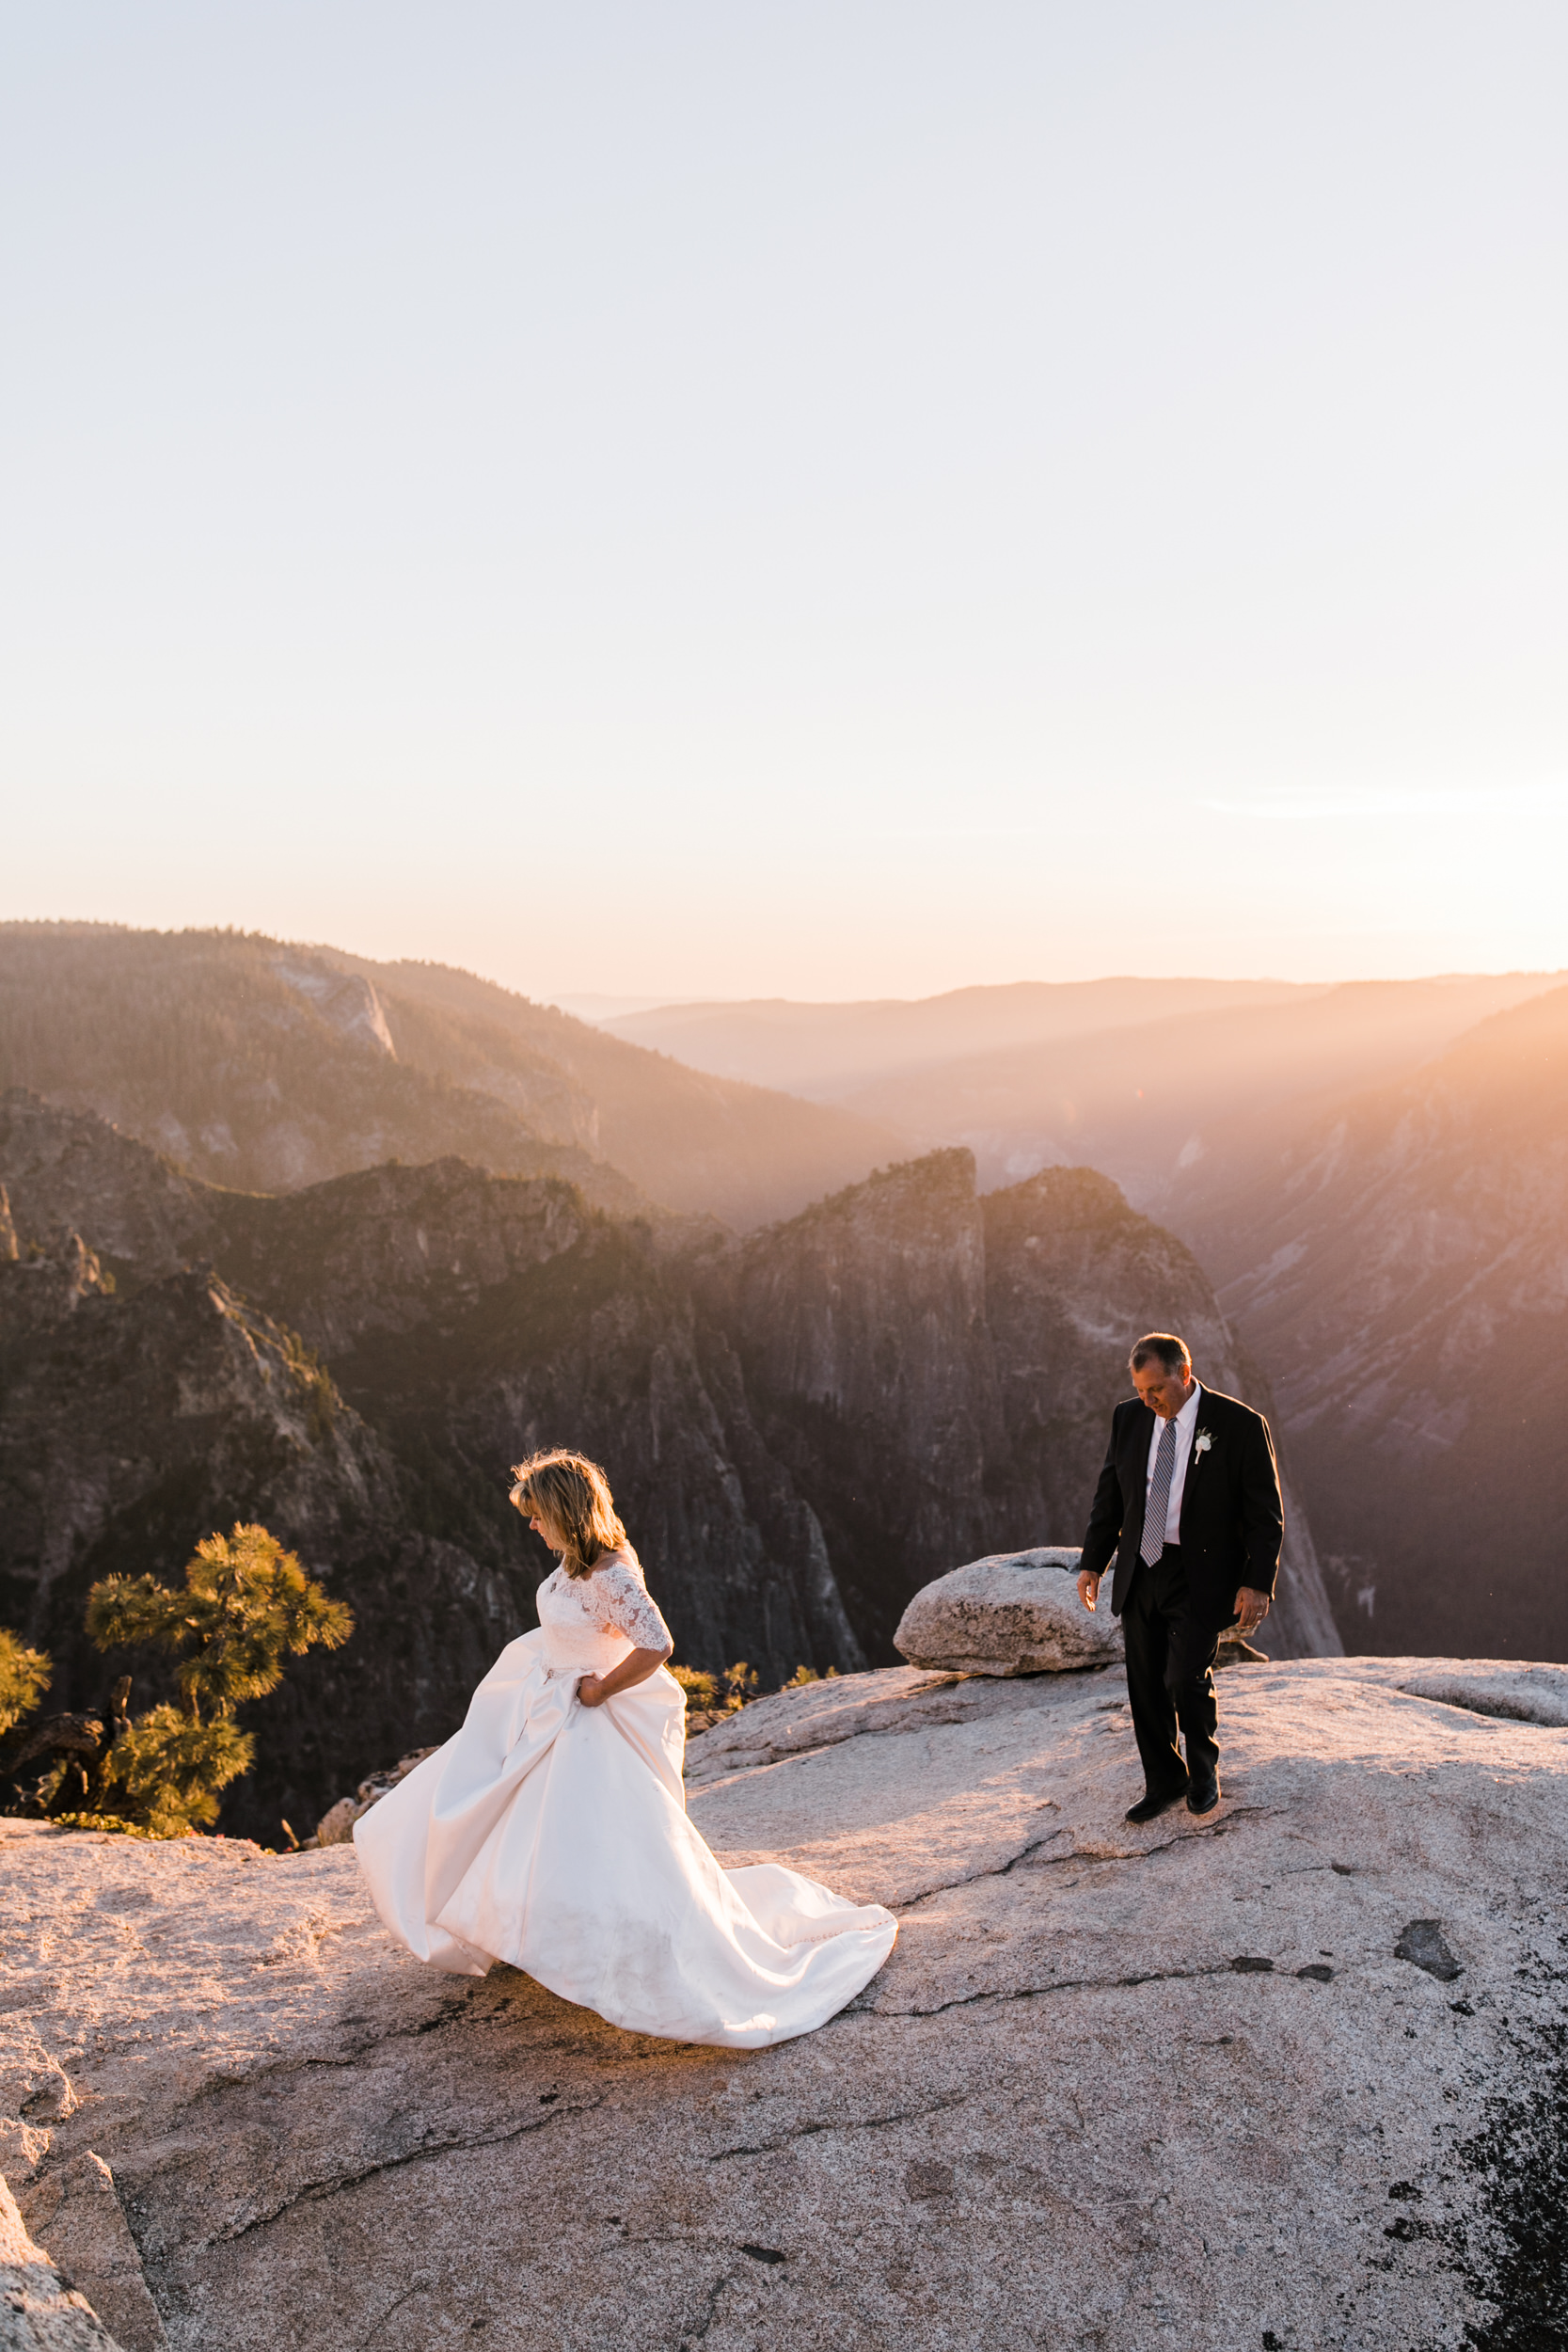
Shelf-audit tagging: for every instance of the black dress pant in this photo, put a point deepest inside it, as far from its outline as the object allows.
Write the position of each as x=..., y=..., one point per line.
x=1170, y=1677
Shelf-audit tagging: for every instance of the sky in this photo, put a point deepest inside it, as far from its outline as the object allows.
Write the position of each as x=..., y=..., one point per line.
x=790, y=500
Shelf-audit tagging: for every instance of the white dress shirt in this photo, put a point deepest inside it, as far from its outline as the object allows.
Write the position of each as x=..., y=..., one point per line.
x=1186, y=1424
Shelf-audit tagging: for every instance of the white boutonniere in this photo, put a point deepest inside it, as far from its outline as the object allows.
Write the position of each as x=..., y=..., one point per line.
x=1201, y=1443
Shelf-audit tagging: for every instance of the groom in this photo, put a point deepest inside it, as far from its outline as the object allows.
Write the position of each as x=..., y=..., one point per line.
x=1189, y=1503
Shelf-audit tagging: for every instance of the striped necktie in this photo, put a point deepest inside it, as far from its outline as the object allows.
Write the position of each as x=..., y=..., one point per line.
x=1159, y=1496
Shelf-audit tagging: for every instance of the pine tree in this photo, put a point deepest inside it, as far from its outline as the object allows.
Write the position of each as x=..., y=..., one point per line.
x=247, y=1606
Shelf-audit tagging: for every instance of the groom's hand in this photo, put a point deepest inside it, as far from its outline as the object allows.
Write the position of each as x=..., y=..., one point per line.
x=1088, y=1585
x=1251, y=1609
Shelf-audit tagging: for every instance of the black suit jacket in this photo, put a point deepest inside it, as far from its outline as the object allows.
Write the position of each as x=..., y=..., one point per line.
x=1232, y=1519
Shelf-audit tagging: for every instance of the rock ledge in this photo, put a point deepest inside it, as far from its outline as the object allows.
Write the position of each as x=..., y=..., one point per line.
x=1293, y=2075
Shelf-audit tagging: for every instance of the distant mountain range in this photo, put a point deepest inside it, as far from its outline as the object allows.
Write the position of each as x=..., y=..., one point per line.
x=1141, y=1078
x=832, y=1050
x=1371, y=1175
x=266, y=1065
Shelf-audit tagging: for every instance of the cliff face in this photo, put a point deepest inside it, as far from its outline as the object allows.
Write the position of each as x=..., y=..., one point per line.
x=862, y=1330
x=802, y=1429
x=132, y=1421
x=72, y=1170
x=1071, y=1273
x=940, y=1370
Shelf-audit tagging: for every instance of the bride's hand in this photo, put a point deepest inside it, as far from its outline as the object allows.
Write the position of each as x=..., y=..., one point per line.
x=591, y=1690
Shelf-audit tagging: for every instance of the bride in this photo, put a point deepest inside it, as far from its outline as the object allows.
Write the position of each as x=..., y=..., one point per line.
x=551, y=1830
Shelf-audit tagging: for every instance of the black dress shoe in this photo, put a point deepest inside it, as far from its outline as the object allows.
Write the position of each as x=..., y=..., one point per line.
x=1150, y=1807
x=1202, y=1796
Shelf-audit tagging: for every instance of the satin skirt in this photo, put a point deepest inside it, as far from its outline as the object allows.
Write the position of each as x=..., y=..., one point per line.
x=554, y=1836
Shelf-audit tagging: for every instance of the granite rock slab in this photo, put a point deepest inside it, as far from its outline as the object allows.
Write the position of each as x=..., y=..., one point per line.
x=1114, y=2088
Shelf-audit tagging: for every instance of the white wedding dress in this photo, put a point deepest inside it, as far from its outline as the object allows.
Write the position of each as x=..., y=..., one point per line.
x=554, y=1835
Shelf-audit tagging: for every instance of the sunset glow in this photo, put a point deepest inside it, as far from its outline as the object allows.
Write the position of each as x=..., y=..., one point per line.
x=834, y=501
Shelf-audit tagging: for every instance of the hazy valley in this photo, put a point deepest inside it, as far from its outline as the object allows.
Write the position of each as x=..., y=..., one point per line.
x=1400, y=1263
x=1148, y=1080
x=423, y=1256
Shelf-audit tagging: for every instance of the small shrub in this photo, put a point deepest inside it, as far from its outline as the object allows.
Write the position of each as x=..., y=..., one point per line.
x=710, y=1697
x=24, y=1678
x=167, y=1770
x=702, y=1690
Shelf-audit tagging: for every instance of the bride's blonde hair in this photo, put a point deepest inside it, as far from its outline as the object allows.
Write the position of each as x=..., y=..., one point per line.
x=572, y=1496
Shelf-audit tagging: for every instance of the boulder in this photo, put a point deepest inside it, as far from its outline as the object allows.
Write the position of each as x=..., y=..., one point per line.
x=1291, y=2076
x=336, y=1826
x=1014, y=1613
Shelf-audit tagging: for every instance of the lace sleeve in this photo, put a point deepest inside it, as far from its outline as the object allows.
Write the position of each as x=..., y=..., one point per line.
x=617, y=1596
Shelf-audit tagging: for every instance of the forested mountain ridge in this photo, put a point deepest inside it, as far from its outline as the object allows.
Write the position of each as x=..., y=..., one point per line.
x=263, y=1065
x=801, y=1428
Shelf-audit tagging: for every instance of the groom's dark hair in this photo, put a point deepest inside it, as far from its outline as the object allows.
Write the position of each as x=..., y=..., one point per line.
x=1173, y=1353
